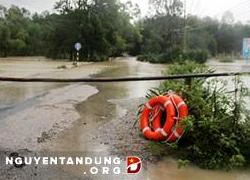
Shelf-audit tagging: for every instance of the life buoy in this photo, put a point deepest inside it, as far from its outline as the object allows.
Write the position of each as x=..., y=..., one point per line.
x=180, y=114
x=160, y=133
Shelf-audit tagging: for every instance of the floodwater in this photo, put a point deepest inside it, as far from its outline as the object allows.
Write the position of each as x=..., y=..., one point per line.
x=14, y=93
x=167, y=169
x=98, y=108
x=236, y=66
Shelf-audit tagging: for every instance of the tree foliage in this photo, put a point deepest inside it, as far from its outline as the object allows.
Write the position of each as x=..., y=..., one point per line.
x=110, y=28
x=102, y=27
x=167, y=7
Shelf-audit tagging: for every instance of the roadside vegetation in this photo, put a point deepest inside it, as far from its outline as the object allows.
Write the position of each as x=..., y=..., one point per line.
x=198, y=56
x=109, y=28
x=226, y=58
x=218, y=127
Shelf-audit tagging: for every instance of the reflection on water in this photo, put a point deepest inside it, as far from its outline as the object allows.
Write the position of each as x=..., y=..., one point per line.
x=168, y=170
x=15, y=93
x=133, y=68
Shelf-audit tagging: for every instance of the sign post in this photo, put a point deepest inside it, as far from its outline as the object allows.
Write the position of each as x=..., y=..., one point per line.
x=246, y=48
x=78, y=47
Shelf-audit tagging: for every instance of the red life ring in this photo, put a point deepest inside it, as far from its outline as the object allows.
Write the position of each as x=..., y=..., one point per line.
x=181, y=113
x=160, y=133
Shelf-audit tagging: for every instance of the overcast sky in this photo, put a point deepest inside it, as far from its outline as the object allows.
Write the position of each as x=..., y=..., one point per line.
x=213, y=8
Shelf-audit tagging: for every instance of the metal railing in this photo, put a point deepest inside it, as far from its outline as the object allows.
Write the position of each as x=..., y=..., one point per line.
x=122, y=79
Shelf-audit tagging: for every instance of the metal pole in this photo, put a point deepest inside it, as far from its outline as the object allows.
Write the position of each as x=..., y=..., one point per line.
x=123, y=79
x=77, y=56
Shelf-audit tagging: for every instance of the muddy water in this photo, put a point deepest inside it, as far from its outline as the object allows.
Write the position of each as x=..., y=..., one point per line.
x=236, y=66
x=14, y=94
x=98, y=110
x=167, y=170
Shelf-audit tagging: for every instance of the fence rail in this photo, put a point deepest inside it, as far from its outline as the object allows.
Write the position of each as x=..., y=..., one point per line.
x=122, y=79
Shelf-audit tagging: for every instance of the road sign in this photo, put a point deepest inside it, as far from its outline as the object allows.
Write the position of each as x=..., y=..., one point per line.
x=78, y=46
x=246, y=48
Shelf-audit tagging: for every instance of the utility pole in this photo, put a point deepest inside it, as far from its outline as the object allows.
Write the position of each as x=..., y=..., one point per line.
x=185, y=27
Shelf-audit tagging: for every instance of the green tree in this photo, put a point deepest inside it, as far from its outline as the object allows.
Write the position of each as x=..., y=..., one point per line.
x=4, y=40
x=103, y=28
x=163, y=32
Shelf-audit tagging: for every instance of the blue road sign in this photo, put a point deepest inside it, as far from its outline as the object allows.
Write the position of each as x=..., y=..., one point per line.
x=78, y=46
x=246, y=48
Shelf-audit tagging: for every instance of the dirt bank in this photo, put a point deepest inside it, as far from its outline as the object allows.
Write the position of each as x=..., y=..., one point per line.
x=122, y=134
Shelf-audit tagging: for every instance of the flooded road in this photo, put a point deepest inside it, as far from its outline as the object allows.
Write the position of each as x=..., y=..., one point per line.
x=97, y=110
x=100, y=109
x=14, y=93
x=42, y=106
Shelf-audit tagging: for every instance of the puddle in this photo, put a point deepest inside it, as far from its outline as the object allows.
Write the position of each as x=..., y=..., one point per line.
x=167, y=169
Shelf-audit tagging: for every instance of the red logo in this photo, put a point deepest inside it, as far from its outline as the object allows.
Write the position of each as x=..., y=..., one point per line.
x=133, y=165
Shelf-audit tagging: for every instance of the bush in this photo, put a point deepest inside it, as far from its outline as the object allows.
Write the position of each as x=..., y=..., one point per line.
x=175, y=56
x=225, y=58
x=219, y=136
x=198, y=56
x=152, y=58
